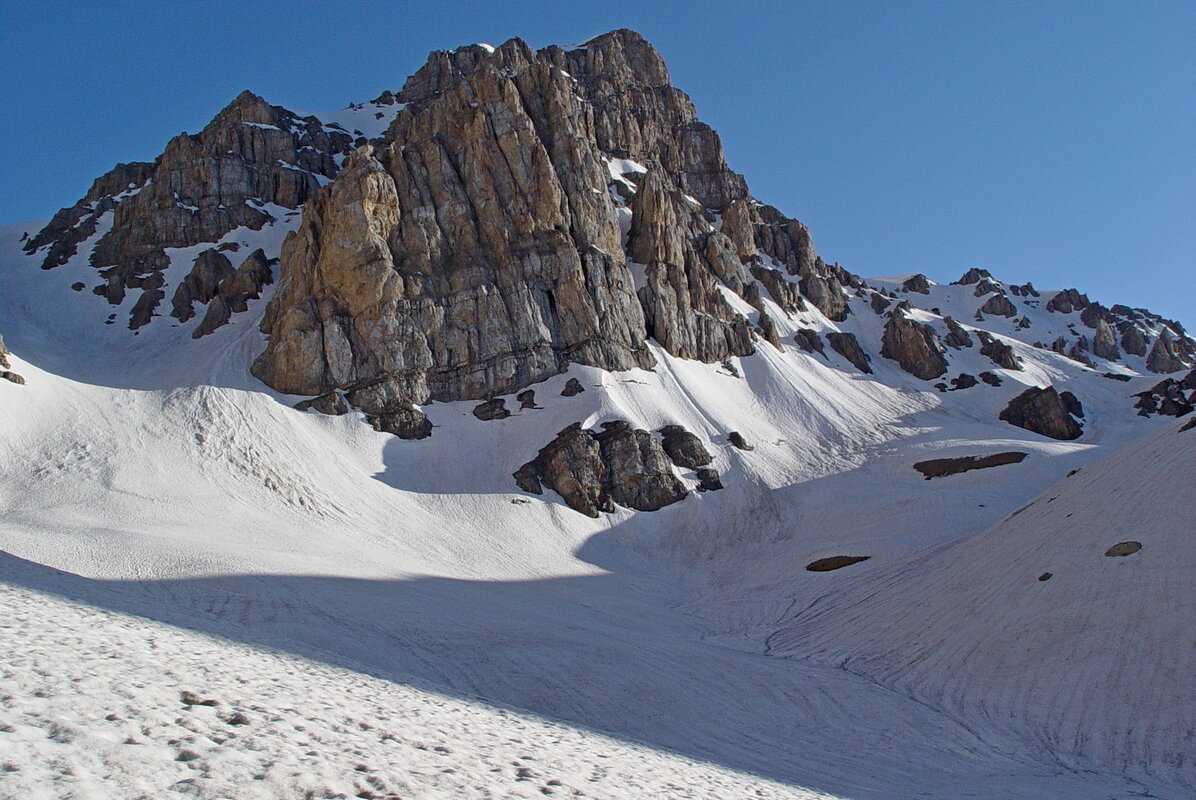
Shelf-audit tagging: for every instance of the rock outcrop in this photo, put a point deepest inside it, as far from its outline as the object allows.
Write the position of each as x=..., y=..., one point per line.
x=6, y=366
x=1165, y=356
x=846, y=345
x=913, y=345
x=916, y=283
x=251, y=155
x=1002, y=354
x=999, y=305
x=594, y=471
x=684, y=448
x=956, y=336
x=1104, y=342
x=1045, y=411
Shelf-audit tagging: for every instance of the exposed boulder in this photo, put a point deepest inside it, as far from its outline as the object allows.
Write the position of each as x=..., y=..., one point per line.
x=737, y=441
x=942, y=467
x=1122, y=549
x=1002, y=354
x=768, y=330
x=527, y=399
x=708, y=480
x=879, y=303
x=405, y=423
x=784, y=291
x=1104, y=342
x=1165, y=356
x=985, y=286
x=999, y=305
x=1133, y=340
x=808, y=340
x=916, y=283
x=991, y=378
x=963, y=381
x=973, y=275
x=956, y=336
x=1067, y=301
x=846, y=345
x=1044, y=411
x=331, y=404
x=831, y=563
x=684, y=449
x=572, y=387
x=491, y=410
x=913, y=345
x=593, y=471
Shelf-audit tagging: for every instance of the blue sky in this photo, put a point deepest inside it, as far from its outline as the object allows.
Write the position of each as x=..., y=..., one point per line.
x=1045, y=141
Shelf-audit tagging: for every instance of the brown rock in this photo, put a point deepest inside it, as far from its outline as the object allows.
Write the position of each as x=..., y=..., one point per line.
x=917, y=283
x=999, y=305
x=491, y=409
x=1122, y=549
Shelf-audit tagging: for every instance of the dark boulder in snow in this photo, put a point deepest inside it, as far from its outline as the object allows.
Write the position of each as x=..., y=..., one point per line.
x=846, y=345
x=942, y=467
x=1044, y=411
x=491, y=409
x=999, y=305
x=1122, y=549
x=917, y=283
x=594, y=471
x=572, y=386
x=834, y=562
x=684, y=449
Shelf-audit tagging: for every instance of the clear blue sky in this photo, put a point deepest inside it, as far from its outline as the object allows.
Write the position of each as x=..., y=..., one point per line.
x=1052, y=141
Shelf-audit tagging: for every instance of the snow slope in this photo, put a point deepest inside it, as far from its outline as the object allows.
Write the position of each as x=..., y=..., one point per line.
x=167, y=483
x=1096, y=661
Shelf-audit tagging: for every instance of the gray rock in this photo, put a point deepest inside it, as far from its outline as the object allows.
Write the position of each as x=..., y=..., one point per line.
x=999, y=305
x=942, y=467
x=917, y=283
x=572, y=387
x=709, y=480
x=737, y=441
x=1002, y=354
x=332, y=404
x=1122, y=549
x=808, y=340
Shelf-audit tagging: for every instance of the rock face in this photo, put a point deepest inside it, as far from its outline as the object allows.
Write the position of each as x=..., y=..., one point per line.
x=477, y=250
x=594, y=471
x=1044, y=411
x=956, y=336
x=913, y=345
x=202, y=186
x=1165, y=356
x=916, y=283
x=846, y=345
x=1067, y=301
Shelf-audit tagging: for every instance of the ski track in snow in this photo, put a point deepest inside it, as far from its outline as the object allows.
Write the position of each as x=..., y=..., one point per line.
x=176, y=488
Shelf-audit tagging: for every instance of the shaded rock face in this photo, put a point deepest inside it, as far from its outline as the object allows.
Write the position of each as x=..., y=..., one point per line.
x=1067, y=301
x=878, y=303
x=1165, y=356
x=1002, y=354
x=942, y=467
x=808, y=340
x=199, y=189
x=1133, y=340
x=594, y=471
x=783, y=291
x=973, y=275
x=1168, y=397
x=956, y=336
x=985, y=286
x=914, y=346
x=572, y=387
x=846, y=345
x=1044, y=411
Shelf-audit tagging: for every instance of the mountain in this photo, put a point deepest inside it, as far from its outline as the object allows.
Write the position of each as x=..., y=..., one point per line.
x=504, y=383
